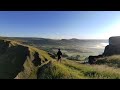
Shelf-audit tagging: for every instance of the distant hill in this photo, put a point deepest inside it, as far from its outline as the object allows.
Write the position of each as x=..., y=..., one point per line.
x=19, y=61
x=83, y=47
x=46, y=41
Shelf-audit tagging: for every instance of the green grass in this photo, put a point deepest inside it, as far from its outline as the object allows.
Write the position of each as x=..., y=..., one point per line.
x=30, y=70
x=113, y=61
x=71, y=70
x=95, y=71
x=54, y=70
x=16, y=60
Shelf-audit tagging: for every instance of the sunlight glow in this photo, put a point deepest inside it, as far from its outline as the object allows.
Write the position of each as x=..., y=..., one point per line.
x=113, y=30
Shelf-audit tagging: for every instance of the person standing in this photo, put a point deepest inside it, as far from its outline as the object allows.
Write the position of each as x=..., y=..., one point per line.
x=59, y=54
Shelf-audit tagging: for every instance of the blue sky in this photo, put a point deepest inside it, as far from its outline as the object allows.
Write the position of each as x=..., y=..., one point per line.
x=60, y=24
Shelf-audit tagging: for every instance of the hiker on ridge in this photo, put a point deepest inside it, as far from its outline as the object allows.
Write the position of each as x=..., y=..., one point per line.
x=59, y=54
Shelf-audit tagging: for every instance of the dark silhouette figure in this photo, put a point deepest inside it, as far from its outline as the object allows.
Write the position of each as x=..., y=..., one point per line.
x=59, y=54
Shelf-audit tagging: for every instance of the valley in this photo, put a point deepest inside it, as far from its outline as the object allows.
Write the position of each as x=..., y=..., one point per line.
x=21, y=58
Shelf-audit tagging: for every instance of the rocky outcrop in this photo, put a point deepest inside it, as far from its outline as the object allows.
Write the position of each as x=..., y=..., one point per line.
x=114, y=41
x=112, y=49
x=18, y=61
x=114, y=46
x=93, y=59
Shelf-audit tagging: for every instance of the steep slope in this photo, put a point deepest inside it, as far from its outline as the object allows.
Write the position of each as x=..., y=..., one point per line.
x=20, y=61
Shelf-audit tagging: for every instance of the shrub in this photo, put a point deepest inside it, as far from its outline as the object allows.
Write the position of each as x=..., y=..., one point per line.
x=74, y=57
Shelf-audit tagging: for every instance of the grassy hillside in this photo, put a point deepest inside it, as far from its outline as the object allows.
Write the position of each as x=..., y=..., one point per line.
x=113, y=61
x=20, y=61
x=73, y=70
x=26, y=62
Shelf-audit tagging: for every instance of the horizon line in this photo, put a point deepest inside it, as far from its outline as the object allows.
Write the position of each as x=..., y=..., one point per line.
x=55, y=38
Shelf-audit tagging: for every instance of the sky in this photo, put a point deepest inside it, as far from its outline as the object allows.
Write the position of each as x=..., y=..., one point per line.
x=60, y=24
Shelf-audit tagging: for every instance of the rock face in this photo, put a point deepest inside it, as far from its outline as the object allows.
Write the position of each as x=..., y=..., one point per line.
x=115, y=41
x=113, y=47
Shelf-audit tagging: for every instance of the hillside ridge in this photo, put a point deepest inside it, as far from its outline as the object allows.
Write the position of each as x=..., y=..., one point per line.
x=20, y=61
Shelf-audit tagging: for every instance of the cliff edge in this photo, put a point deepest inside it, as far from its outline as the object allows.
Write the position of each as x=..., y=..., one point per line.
x=114, y=46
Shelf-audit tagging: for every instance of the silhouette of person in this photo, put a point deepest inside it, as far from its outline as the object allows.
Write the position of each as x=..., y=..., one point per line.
x=59, y=54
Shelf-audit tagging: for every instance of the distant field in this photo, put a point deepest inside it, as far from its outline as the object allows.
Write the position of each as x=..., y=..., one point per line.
x=71, y=47
x=83, y=49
